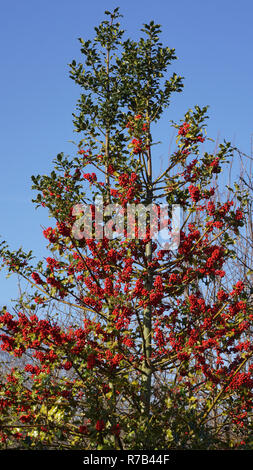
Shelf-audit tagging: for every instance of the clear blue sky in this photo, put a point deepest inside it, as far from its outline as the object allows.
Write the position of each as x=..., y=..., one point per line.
x=213, y=42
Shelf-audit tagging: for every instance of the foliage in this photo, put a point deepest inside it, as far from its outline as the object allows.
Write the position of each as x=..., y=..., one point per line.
x=144, y=358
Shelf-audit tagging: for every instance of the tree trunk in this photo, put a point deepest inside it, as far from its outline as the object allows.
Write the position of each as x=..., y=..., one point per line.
x=147, y=320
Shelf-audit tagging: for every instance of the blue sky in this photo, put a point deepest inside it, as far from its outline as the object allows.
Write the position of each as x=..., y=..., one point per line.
x=213, y=42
